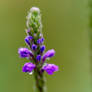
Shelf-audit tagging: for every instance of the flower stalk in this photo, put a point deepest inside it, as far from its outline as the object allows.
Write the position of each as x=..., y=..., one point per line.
x=35, y=54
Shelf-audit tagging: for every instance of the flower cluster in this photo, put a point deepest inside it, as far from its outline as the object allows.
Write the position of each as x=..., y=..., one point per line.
x=35, y=40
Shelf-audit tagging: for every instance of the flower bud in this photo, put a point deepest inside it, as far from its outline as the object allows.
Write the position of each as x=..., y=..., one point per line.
x=28, y=39
x=38, y=58
x=35, y=10
x=42, y=48
x=34, y=47
x=40, y=41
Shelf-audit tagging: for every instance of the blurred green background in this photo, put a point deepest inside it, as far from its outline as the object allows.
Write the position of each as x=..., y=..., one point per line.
x=65, y=28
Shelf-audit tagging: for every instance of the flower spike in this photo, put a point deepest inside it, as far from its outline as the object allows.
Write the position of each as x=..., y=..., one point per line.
x=37, y=64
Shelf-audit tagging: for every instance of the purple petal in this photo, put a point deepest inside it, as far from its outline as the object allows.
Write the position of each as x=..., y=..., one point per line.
x=24, y=52
x=28, y=67
x=48, y=54
x=50, y=68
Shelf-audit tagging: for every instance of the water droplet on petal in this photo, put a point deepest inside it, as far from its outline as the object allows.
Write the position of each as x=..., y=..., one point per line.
x=30, y=73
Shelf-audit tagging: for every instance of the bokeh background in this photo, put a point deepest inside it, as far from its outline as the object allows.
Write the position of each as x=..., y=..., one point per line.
x=65, y=28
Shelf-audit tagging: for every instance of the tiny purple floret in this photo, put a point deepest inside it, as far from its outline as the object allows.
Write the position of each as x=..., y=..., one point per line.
x=24, y=52
x=34, y=47
x=40, y=41
x=38, y=58
x=28, y=67
x=42, y=48
x=48, y=54
x=28, y=39
x=50, y=68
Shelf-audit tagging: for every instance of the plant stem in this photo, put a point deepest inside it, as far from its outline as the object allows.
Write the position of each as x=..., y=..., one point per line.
x=39, y=81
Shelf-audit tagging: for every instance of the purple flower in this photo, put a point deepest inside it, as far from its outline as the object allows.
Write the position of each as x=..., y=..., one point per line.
x=35, y=41
x=28, y=39
x=28, y=67
x=42, y=48
x=40, y=41
x=34, y=47
x=50, y=68
x=38, y=58
x=24, y=52
x=48, y=54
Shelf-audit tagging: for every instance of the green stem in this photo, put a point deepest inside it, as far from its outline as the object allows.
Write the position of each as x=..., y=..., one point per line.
x=39, y=84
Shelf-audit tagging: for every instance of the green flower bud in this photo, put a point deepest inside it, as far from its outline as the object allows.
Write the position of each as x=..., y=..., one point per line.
x=34, y=19
x=35, y=10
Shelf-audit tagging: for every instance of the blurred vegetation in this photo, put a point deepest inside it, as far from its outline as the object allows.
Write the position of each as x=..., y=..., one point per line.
x=65, y=28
